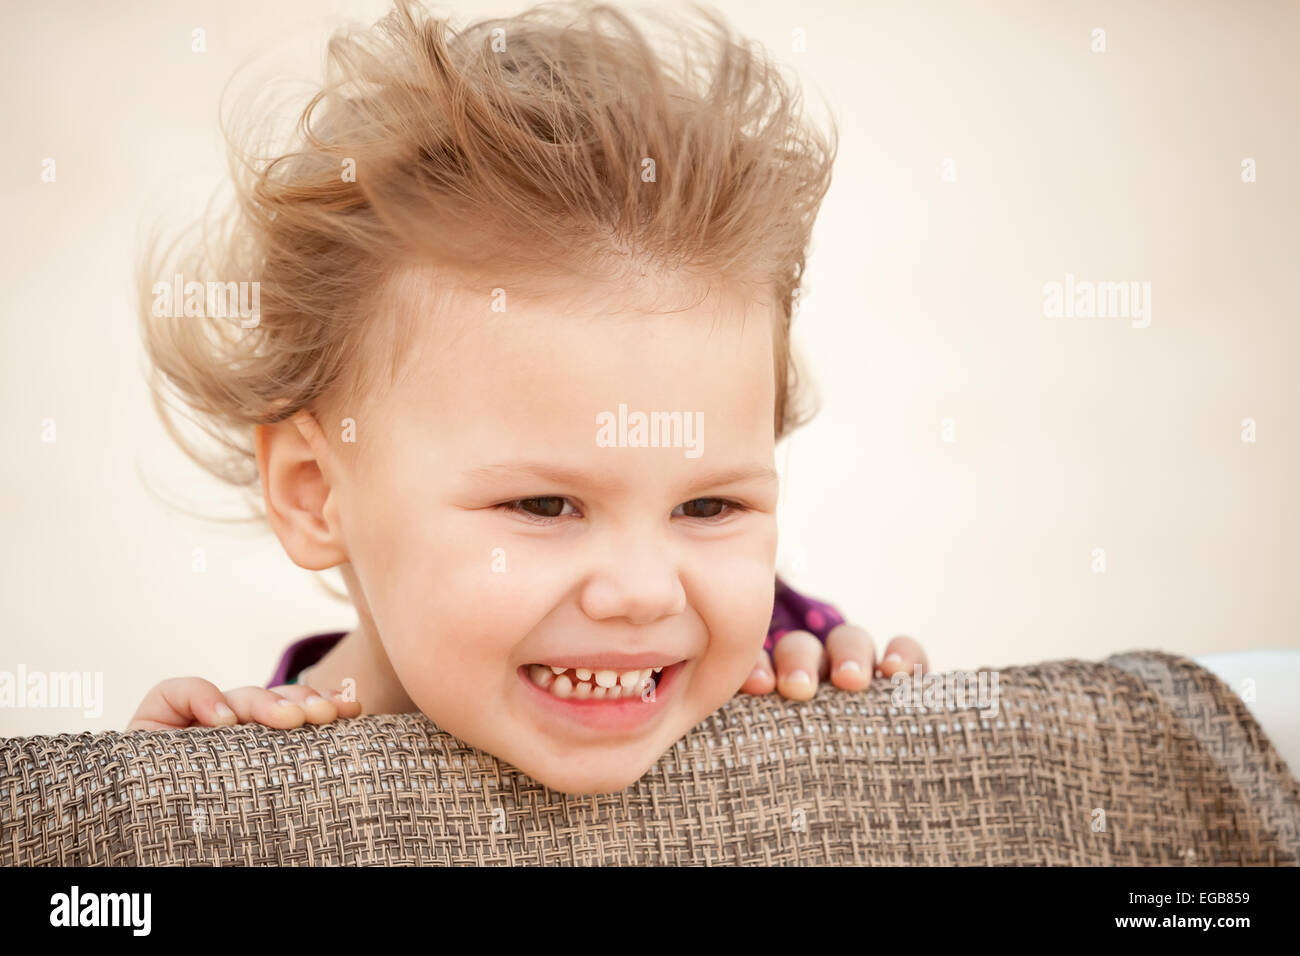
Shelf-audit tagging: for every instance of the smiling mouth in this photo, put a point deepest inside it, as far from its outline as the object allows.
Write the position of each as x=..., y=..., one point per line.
x=579, y=683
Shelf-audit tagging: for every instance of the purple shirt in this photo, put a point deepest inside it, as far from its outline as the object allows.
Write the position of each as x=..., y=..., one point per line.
x=791, y=611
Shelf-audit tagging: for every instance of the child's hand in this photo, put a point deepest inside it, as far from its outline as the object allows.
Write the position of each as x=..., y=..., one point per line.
x=193, y=701
x=849, y=657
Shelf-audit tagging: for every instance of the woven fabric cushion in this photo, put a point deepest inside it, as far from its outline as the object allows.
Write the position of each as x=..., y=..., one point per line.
x=1142, y=759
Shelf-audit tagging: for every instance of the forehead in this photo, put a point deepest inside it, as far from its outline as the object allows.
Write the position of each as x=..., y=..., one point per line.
x=481, y=359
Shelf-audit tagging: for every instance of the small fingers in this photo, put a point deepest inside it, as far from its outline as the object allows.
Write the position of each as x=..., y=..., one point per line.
x=315, y=708
x=903, y=654
x=346, y=707
x=852, y=657
x=800, y=660
x=257, y=705
x=344, y=699
x=183, y=702
x=760, y=680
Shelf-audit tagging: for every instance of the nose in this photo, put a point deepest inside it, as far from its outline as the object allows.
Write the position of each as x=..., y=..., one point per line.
x=636, y=580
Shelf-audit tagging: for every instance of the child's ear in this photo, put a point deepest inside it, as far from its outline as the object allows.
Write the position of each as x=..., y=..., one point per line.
x=297, y=492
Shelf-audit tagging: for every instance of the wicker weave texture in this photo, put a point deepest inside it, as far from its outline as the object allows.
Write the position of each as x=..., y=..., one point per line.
x=1152, y=747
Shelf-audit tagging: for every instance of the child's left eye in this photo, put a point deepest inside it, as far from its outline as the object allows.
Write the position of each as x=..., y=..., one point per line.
x=550, y=508
x=714, y=507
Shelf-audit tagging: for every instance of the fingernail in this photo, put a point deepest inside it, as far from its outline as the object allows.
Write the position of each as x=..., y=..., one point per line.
x=798, y=677
x=223, y=712
x=759, y=674
x=847, y=667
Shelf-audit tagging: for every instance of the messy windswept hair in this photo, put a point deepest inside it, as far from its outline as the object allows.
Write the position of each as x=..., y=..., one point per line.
x=519, y=143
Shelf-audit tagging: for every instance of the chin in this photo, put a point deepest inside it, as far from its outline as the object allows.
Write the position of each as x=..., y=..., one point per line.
x=610, y=776
x=579, y=786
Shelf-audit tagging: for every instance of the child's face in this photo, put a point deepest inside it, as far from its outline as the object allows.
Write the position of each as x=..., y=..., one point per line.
x=474, y=602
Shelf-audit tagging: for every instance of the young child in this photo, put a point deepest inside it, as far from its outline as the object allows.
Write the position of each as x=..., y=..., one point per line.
x=519, y=366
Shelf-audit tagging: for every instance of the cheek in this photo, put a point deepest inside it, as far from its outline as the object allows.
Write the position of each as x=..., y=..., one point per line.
x=446, y=607
x=450, y=641
x=734, y=597
x=403, y=553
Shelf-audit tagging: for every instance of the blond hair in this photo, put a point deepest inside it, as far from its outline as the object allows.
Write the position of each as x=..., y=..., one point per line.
x=520, y=143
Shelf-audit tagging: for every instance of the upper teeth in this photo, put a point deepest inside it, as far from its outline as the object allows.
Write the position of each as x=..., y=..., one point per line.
x=577, y=682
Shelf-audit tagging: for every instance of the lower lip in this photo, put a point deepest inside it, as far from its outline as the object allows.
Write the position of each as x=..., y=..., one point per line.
x=626, y=713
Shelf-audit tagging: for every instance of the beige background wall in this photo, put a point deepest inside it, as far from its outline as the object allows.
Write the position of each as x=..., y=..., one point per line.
x=924, y=302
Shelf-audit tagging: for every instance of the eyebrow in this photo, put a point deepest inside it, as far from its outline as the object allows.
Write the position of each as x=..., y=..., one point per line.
x=577, y=477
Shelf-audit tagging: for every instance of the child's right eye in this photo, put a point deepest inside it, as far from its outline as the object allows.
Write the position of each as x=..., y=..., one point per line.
x=550, y=506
